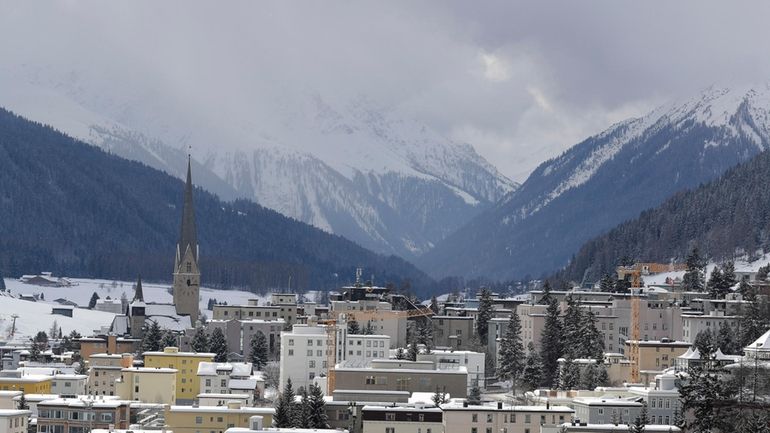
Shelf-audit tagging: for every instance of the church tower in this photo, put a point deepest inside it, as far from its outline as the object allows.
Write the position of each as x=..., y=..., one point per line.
x=187, y=275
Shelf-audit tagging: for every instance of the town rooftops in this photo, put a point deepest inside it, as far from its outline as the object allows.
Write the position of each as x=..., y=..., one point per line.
x=235, y=369
x=84, y=402
x=230, y=408
x=151, y=370
x=600, y=401
x=614, y=428
x=456, y=405
x=174, y=351
x=411, y=408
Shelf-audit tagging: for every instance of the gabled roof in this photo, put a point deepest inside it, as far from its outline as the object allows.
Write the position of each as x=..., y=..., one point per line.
x=760, y=344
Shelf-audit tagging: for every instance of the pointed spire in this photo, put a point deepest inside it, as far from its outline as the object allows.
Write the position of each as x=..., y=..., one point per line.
x=138, y=293
x=188, y=237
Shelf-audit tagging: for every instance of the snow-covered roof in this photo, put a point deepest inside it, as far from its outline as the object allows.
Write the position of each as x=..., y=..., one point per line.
x=761, y=344
x=235, y=369
x=691, y=354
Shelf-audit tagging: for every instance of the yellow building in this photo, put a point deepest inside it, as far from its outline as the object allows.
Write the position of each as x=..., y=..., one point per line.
x=148, y=385
x=658, y=355
x=29, y=384
x=213, y=419
x=186, y=364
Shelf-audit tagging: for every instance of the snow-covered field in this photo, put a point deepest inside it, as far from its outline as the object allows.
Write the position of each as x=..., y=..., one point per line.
x=36, y=316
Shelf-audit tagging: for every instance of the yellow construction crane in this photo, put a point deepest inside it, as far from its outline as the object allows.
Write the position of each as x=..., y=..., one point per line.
x=368, y=315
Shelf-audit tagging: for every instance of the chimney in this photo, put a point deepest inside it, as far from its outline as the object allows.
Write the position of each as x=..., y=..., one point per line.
x=499, y=405
x=465, y=403
x=547, y=404
x=255, y=422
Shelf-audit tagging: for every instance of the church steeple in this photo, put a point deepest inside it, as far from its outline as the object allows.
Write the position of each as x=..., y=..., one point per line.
x=188, y=237
x=138, y=293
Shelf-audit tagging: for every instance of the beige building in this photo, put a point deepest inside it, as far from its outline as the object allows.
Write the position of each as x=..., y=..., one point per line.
x=148, y=385
x=7, y=399
x=402, y=419
x=217, y=419
x=79, y=415
x=13, y=420
x=105, y=370
x=502, y=418
x=400, y=375
x=656, y=355
x=186, y=364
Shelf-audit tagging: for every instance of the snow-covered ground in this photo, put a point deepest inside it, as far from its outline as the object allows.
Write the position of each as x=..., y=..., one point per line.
x=36, y=316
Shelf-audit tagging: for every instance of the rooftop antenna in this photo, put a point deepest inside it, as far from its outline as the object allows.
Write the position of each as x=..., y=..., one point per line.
x=359, y=272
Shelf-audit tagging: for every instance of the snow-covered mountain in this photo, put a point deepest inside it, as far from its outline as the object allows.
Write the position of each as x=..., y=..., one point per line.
x=349, y=166
x=607, y=179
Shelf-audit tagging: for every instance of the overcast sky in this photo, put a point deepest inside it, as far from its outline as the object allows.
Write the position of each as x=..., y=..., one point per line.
x=521, y=81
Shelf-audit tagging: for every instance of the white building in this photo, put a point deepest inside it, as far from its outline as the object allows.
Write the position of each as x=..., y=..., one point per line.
x=109, y=305
x=453, y=360
x=379, y=315
x=69, y=384
x=359, y=350
x=693, y=324
x=598, y=410
x=662, y=399
x=13, y=420
x=230, y=378
x=222, y=399
x=402, y=419
x=303, y=355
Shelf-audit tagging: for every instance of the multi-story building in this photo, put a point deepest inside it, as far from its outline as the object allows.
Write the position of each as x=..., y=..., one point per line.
x=271, y=329
x=693, y=324
x=454, y=332
x=474, y=363
x=502, y=418
x=81, y=415
x=186, y=364
x=598, y=410
x=230, y=378
x=532, y=319
x=14, y=420
x=359, y=350
x=148, y=385
x=378, y=315
x=402, y=419
x=658, y=355
x=303, y=355
x=253, y=310
x=105, y=370
x=662, y=399
x=8, y=399
x=29, y=384
x=69, y=384
x=200, y=419
x=401, y=375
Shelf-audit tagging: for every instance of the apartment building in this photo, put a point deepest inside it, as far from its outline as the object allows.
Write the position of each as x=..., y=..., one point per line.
x=14, y=420
x=69, y=384
x=303, y=355
x=693, y=324
x=81, y=415
x=105, y=370
x=473, y=362
x=598, y=410
x=502, y=418
x=356, y=350
x=658, y=355
x=454, y=332
x=252, y=310
x=28, y=384
x=376, y=314
x=402, y=419
x=217, y=419
x=186, y=364
x=107, y=344
x=662, y=399
x=148, y=385
x=230, y=378
x=401, y=375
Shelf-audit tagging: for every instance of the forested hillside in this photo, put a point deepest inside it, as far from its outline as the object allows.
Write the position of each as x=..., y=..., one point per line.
x=728, y=216
x=73, y=209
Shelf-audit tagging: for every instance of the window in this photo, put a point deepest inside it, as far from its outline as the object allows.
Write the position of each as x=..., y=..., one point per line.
x=223, y=383
x=390, y=430
x=528, y=418
x=311, y=375
x=421, y=417
x=489, y=417
x=291, y=352
x=489, y=429
x=370, y=380
x=219, y=419
x=198, y=420
x=309, y=342
x=474, y=430
x=106, y=417
x=601, y=411
x=208, y=382
x=475, y=417
x=389, y=416
x=311, y=364
x=291, y=342
x=319, y=353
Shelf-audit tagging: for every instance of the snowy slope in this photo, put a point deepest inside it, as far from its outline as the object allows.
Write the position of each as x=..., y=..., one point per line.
x=36, y=316
x=349, y=166
x=605, y=180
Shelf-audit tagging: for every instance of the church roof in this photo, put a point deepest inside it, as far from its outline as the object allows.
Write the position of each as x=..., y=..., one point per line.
x=188, y=237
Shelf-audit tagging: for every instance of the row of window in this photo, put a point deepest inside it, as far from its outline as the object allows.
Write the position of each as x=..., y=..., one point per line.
x=75, y=415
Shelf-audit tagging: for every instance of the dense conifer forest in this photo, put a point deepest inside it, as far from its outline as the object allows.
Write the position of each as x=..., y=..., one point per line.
x=75, y=210
x=727, y=217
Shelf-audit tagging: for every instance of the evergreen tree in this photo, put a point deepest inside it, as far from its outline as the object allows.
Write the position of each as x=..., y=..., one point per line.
x=589, y=379
x=54, y=331
x=702, y=393
x=745, y=288
x=34, y=351
x=754, y=422
x=317, y=418
x=414, y=350
x=607, y=283
x=591, y=339
x=725, y=340
x=551, y=344
x=368, y=329
x=353, y=327
x=218, y=345
x=92, y=302
x=258, y=350
x=602, y=377
x=755, y=319
x=532, y=376
x=569, y=374
x=485, y=311
x=512, y=355
x=728, y=274
x=547, y=297
x=200, y=341
x=400, y=353
x=705, y=343
x=572, y=327
x=716, y=284
x=302, y=410
x=151, y=342
x=439, y=397
x=693, y=276
x=169, y=340
x=285, y=408
x=23, y=405
x=425, y=333
x=763, y=272
x=474, y=396
x=640, y=423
